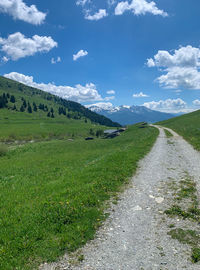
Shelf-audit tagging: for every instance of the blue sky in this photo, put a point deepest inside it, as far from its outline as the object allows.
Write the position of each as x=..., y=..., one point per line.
x=105, y=51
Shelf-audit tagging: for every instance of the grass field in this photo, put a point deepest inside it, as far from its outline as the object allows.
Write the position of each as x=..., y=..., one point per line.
x=53, y=194
x=17, y=126
x=188, y=126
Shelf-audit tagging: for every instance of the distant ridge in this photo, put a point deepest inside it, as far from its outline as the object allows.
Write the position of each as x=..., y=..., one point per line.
x=127, y=115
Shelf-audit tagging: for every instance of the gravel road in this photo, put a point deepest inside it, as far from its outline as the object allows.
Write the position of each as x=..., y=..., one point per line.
x=134, y=237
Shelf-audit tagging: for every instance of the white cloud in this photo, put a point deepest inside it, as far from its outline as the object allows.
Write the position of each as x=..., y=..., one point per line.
x=150, y=63
x=102, y=105
x=181, y=68
x=19, y=10
x=109, y=98
x=183, y=57
x=97, y=16
x=110, y=92
x=82, y=2
x=17, y=46
x=5, y=59
x=140, y=95
x=121, y=8
x=178, y=91
x=54, y=61
x=139, y=7
x=111, y=2
x=78, y=93
x=79, y=54
x=168, y=105
x=188, y=78
x=196, y=102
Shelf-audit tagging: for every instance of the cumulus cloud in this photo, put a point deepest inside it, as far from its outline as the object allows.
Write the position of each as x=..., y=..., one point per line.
x=19, y=10
x=78, y=93
x=188, y=78
x=110, y=92
x=196, y=102
x=140, y=95
x=79, y=54
x=17, y=46
x=54, y=60
x=183, y=57
x=139, y=7
x=97, y=16
x=181, y=68
x=168, y=105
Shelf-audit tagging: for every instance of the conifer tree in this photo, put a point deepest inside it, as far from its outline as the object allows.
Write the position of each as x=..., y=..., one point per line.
x=22, y=109
x=12, y=99
x=29, y=108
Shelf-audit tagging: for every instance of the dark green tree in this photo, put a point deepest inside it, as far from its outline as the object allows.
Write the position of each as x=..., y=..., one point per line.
x=12, y=99
x=22, y=109
x=24, y=103
x=29, y=109
x=3, y=102
x=34, y=107
x=41, y=107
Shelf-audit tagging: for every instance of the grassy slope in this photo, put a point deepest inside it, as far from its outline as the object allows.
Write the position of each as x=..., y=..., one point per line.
x=16, y=125
x=23, y=126
x=188, y=126
x=52, y=193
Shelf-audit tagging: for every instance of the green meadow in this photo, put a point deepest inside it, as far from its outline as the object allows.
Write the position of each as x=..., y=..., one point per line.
x=16, y=126
x=188, y=126
x=53, y=193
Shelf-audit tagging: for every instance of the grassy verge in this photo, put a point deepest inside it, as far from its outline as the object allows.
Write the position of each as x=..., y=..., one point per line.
x=187, y=207
x=168, y=133
x=188, y=126
x=52, y=193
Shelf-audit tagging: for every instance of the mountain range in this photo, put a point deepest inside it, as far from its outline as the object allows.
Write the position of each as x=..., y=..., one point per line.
x=127, y=115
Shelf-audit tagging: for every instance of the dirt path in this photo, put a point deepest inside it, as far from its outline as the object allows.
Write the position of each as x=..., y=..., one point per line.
x=135, y=236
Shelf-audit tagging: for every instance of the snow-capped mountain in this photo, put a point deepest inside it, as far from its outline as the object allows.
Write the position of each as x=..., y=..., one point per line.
x=127, y=115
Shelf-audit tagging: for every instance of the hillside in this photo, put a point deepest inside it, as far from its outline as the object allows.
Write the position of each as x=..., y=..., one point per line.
x=187, y=125
x=29, y=113
x=128, y=115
